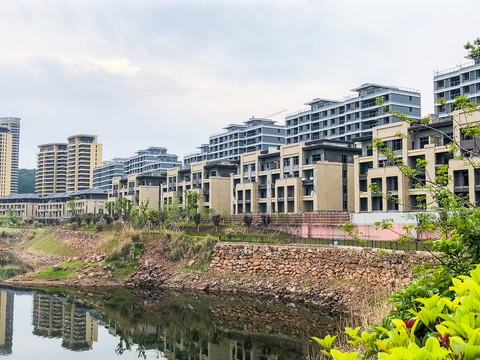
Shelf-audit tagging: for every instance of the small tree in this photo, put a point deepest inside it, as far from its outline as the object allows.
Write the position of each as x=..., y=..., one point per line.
x=216, y=221
x=247, y=221
x=191, y=202
x=198, y=219
x=266, y=220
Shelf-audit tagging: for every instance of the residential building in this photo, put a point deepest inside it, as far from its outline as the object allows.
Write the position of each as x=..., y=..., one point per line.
x=304, y=177
x=13, y=124
x=54, y=206
x=84, y=153
x=210, y=179
x=5, y=161
x=255, y=134
x=103, y=175
x=51, y=172
x=351, y=117
x=398, y=192
x=464, y=79
x=151, y=159
x=138, y=188
x=23, y=206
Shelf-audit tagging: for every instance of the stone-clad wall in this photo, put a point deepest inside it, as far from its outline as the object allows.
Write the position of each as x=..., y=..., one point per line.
x=387, y=268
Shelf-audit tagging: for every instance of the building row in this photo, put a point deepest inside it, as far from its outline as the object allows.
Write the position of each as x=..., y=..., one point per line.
x=306, y=177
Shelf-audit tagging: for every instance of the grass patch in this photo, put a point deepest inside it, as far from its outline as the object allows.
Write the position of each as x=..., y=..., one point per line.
x=123, y=268
x=48, y=244
x=67, y=269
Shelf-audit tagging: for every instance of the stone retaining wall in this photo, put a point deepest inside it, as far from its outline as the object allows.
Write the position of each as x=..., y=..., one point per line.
x=386, y=268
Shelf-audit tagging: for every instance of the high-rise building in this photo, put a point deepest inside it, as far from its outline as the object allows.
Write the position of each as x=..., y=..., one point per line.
x=13, y=125
x=5, y=161
x=51, y=174
x=67, y=166
x=255, y=134
x=464, y=79
x=84, y=153
x=352, y=117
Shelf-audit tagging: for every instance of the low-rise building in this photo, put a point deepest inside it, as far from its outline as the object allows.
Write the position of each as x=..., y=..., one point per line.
x=396, y=191
x=54, y=206
x=303, y=177
x=210, y=179
x=138, y=188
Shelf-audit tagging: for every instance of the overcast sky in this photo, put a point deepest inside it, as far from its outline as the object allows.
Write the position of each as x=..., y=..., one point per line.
x=169, y=73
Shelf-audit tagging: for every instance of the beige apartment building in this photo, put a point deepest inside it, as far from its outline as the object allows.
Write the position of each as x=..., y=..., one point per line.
x=5, y=161
x=84, y=153
x=67, y=167
x=51, y=173
x=303, y=177
x=420, y=143
x=210, y=179
x=138, y=188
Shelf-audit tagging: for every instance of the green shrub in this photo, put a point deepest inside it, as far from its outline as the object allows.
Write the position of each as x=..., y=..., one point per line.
x=99, y=227
x=441, y=328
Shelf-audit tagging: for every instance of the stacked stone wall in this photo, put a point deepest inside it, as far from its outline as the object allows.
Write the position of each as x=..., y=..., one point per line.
x=366, y=266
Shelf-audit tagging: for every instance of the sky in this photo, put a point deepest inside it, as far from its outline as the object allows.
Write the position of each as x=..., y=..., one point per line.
x=142, y=73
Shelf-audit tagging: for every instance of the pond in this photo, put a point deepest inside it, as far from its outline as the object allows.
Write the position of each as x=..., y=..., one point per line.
x=118, y=323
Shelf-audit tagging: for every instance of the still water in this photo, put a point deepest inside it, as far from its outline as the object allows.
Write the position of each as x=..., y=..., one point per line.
x=116, y=323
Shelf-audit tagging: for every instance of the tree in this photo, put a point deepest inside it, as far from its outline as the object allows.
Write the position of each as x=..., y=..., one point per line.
x=266, y=220
x=473, y=49
x=198, y=219
x=247, y=221
x=73, y=209
x=216, y=221
x=191, y=202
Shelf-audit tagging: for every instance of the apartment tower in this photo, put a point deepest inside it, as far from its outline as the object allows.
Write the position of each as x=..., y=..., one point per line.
x=84, y=153
x=13, y=125
x=51, y=174
x=5, y=161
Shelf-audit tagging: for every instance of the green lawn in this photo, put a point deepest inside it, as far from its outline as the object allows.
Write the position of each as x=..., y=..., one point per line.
x=48, y=244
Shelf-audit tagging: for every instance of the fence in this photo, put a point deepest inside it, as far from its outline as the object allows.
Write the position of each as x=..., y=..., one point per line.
x=325, y=218
x=374, y=244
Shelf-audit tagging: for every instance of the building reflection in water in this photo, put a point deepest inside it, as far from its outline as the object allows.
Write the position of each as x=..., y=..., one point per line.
x=57, y=318
x=6, y=322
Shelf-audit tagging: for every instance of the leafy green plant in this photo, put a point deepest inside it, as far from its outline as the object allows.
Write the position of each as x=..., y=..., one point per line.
x=440, y=328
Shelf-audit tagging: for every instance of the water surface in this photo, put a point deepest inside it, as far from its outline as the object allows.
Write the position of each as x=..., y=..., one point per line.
x=116, y=323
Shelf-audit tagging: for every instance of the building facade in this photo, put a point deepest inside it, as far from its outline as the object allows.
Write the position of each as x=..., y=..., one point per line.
x=211, y=180
x=51, y=172
x=84, y=153
x=463, y=79
x=303, y=177
x=104, y=174
x=151, y=159
x=255, y=134
x=54, y=206
x=352, y=117
x=13, y=124
x=397, y=192
x=138, y=188
x=5, y=161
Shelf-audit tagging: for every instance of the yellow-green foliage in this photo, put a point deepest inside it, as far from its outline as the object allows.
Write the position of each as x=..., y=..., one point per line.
x=48, y=244
x=441, y=329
